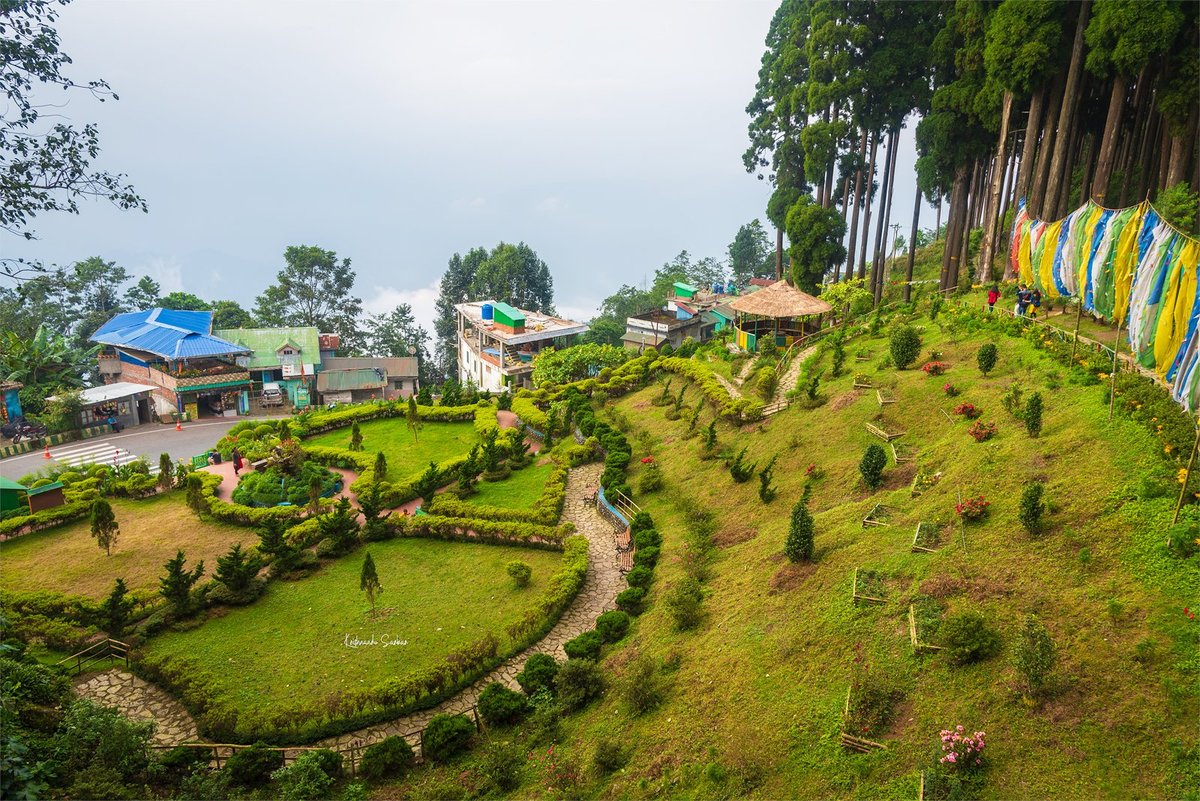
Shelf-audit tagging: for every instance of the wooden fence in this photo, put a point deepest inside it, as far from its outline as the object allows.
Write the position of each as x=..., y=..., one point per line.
x=92, y=655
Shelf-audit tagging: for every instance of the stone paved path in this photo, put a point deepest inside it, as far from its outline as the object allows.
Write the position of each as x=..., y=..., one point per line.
x=792, y=376
x=597, y=595
x=140, y=701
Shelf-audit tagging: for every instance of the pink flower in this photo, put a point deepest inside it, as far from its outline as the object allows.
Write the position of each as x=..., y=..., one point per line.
x=950, y=757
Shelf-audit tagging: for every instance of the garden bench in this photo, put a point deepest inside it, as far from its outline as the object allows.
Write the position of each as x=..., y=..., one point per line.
x=259, y=466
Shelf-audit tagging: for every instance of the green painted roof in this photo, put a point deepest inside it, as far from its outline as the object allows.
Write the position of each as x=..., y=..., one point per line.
x=265, y=342
x=57, y=485
x=681, y=286
x=9, y=484
x=345, y=380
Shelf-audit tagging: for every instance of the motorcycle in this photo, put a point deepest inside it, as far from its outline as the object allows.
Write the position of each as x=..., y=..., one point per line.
x=21, y=430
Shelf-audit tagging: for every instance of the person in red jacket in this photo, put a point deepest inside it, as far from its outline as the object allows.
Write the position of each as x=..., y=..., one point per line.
x=993, y=296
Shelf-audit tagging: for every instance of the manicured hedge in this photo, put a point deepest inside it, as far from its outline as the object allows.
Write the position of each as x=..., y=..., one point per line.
x=320, y=421
x=545, y=511
x=716, y=393
x=530, y=414
x=476, y=529
x=45, y=519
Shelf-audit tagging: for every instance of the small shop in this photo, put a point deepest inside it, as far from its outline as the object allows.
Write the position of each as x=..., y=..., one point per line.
x=120, y=405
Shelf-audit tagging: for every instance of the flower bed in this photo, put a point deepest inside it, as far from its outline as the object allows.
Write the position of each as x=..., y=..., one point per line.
x=973, y=508
x=935, y=368
x=981, y=431
x=968, y=410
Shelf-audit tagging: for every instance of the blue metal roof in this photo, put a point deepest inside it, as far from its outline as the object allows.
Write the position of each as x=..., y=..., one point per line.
x=167, y=333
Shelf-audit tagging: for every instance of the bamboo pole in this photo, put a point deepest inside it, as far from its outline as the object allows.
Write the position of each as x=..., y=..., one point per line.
x=1078, y=317
x=1187, y=474
x=1112, y=389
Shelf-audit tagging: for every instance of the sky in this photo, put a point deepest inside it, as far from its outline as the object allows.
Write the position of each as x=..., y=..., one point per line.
x=606, y=135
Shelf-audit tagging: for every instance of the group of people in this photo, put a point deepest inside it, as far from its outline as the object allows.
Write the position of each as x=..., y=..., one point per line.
x=1029, y=300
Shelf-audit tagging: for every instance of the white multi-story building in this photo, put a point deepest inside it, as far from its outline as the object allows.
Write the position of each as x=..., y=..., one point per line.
x=497, y=343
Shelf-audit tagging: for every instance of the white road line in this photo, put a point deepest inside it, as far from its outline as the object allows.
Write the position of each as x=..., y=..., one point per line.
x=96, y=453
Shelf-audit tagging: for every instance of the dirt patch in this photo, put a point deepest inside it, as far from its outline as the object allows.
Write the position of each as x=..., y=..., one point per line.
x=661, y=764
x=733, y=536
x=942, y=586
x=842, y=401
x=902, y=720
x=978, y=589
x=790, y=576
x=901, y=475
x=641, y=404
x=1066, y=709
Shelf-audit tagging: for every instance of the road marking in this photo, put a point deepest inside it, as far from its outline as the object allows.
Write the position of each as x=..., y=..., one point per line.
x=96, y=453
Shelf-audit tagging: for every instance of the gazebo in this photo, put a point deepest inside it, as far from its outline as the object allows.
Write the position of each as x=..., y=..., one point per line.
x=779, y=310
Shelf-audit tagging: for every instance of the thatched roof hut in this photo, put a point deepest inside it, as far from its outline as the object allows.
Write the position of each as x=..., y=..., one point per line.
x=779, y=300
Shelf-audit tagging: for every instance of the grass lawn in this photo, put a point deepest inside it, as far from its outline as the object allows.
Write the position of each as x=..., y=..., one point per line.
x=435, y=442
x=66, y=559
x=519, y=491
x=289, y=649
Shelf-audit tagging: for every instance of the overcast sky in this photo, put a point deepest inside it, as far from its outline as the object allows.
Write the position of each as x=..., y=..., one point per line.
x=606, y=135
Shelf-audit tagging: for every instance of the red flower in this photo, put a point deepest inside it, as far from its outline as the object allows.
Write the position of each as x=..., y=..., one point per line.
x=648, y=460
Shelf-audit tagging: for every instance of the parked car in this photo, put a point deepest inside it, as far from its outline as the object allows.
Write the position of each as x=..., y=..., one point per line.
x=271, y=395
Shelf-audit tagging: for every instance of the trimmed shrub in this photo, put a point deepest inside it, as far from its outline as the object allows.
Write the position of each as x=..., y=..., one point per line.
x=253, y=766
x=304, y=779
x=986, y=357
x=447, y=735
x=538, y=673
x=1033, y=414
x=610, y=756
x=647, y=538
x=640, y=576
x=799, y=545
x=969, y=638
x=501, y=706
x=685, y=603
x=643, y=688
x=577, y=683
x=612, y=626
x=1034, y=656
x=1032, y=507
x=871, y=466
x=386, y=759
x=520, y=572
x=646, y=556
x=632, y=600
x=585, y=646
x=904, y=346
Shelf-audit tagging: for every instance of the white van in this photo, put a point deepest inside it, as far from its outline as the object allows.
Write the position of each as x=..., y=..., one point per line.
x=271, y=395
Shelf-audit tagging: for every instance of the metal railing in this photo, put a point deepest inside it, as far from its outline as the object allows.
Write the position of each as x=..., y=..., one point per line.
x=94, y=654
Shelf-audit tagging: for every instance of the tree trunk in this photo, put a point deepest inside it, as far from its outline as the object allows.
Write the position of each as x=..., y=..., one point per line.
x=1164, y=157
x=1145, y=159
x=831, y=172
x=988, y=247
x=912, y=247
x=964, y=256
x=1131, y=145
x=887, y=219
x=837, y=268
x=1041, y=172
x=957, y=210
x=1066, y=115
x=778, y=254
x=1063, y=206
x=883, y=186
x=1002, y=232
x=937, y=225
x=1181, y=151
x=1108, y=142
x=866, y=229
x=1032, y=123
x=858, y=192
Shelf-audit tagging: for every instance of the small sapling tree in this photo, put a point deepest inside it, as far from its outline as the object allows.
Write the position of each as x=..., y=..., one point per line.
x=1032, y=507
x=905, y=346
x=1034, y=656
x=237, y=569
x=177, y=585
x=986, y=357
x=1033, y=414
x=871, y=466
x=799, y=545
x=414, y=417
x=766, y=492
x=116, y=608
x=355, y=437
x=368, y=581
x=166, y=472
x=104, y=525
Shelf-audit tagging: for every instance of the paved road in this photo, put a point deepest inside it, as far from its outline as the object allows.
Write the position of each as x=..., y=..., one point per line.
x=148, y=440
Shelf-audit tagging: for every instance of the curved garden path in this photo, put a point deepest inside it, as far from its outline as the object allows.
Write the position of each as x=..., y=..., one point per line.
x=140, y=700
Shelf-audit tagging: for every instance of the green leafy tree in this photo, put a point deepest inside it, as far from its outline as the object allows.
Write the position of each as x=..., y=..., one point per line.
x=195, y=494
x=750, y=254
x=44, y=362
x=116, y=609
x=816, y=235
x=237, y=569
x=104, y=525
x=1034, y=656
x=143, y=295
x=339, y=526
x=230, y=314
x=46, y=163
x=766, y=490
x=166, y=472
x=1178, y=205
x=871, y=466
x=520, y=572
x=413, y=417
x=356, y=439
x=314, y=289
x=576, y=363
x=184, y=301
x=1033, y=415
x=176, y=585
x=799, y=545
x=1032, y=507
x=368, y=580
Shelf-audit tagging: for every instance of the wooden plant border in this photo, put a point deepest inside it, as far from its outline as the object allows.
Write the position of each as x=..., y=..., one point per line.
x=855, y=598
x=863, y=382
x=861, y=358
x=879, y=515
x=914, y=492
x=918, y=647
x=903, y=452
x=886, y=436
x=851, y=742
x=917, y=536
x=884, y=396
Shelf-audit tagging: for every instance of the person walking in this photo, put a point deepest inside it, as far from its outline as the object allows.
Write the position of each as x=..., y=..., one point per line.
x=1023, y=298
x=993, y=295
x=237, y=460
x=1035, y=299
